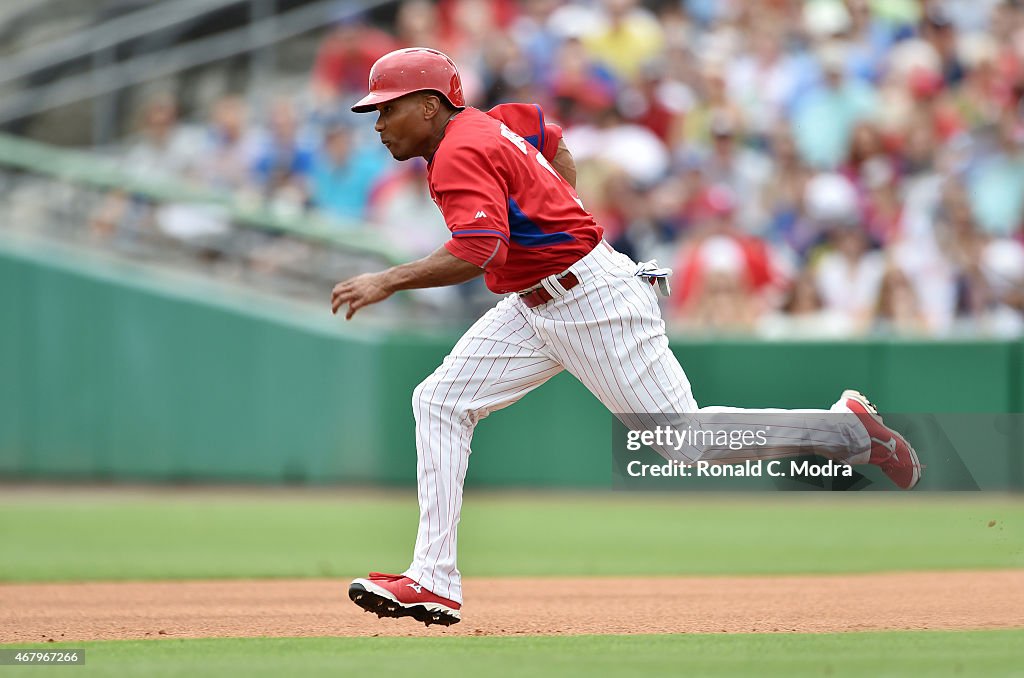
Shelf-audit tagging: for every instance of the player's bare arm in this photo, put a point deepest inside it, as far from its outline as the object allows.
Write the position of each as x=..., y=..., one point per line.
x=564, y=163
x=440, y=269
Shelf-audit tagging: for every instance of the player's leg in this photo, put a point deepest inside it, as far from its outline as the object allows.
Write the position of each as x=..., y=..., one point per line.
x=835, y=434
x=609, y=333
x=614, y=344
x=498, y=361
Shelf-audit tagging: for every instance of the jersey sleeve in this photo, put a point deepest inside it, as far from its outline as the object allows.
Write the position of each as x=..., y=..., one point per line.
x=472, y=197
x=527, y=120
x=483, y=251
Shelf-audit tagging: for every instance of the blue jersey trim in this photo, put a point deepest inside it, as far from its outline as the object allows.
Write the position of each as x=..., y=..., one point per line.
x=479, y=231
x=540, y=117
x=525, y=233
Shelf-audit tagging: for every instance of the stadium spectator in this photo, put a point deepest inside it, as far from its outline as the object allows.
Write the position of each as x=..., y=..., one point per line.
x=227, y=151
x=713, y=104
x=937, y=28
x=898, y=310
x=416, y=25
x=581, y=89
x=163, y=148
x=743, y=170
x=784, y=194
x=630, y=147
x=538, y=38
x=344, y=172
x=400, y=206
x=804, y=316
x=849, y=275
x=345, y=57
x=997, y=184
x=627, y=37
x=724, y=277
x=765, y=81
x=284, y=159
x=824, y=117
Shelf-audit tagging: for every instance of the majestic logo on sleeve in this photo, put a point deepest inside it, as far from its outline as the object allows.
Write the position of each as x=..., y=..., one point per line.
x=480, y=215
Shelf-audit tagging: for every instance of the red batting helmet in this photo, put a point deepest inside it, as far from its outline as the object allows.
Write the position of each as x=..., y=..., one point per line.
x=412, y=70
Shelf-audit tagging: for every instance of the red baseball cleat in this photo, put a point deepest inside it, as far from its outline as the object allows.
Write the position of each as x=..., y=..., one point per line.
x=395, y=595
x=889, y=450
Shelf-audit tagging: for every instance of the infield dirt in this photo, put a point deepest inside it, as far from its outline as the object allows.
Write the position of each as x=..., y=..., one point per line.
x=320, y=607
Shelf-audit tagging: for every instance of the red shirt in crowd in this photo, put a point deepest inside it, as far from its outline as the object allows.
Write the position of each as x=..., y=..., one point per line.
x=508, y=210
x=347, y=55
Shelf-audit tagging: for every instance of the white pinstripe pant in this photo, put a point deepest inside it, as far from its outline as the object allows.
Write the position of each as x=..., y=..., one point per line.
x=608, y=332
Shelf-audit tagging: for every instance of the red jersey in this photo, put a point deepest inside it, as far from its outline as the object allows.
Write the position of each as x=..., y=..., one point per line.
x=508, y=210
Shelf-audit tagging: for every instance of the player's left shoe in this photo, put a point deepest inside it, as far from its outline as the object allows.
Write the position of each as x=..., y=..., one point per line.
x=889, y=450
x=395, y=595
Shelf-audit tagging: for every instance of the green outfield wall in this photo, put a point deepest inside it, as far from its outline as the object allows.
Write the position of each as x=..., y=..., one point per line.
x=115, y=371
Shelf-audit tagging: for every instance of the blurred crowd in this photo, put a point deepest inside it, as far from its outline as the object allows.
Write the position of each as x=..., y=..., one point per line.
x=809, y=168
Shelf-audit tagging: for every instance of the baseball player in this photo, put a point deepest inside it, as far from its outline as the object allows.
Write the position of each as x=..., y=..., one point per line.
x=503, y=180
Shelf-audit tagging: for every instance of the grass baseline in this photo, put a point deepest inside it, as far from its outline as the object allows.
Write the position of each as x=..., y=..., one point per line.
x=898, y=653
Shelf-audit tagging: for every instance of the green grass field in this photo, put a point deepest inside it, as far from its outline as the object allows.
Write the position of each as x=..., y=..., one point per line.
x=91, y=536
x=936, y=653
x=199, y=535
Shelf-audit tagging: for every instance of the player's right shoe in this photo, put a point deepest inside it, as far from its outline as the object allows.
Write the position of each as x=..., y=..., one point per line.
x=889, y=450
x=395, y=595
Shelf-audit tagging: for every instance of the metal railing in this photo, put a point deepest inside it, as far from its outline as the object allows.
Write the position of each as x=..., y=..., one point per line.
x=62, y=195
x=87, y=169
x=84, y=42
x=266, y=28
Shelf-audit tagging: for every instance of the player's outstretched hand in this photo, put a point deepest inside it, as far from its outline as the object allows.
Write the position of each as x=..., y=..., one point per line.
x=362, y=290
